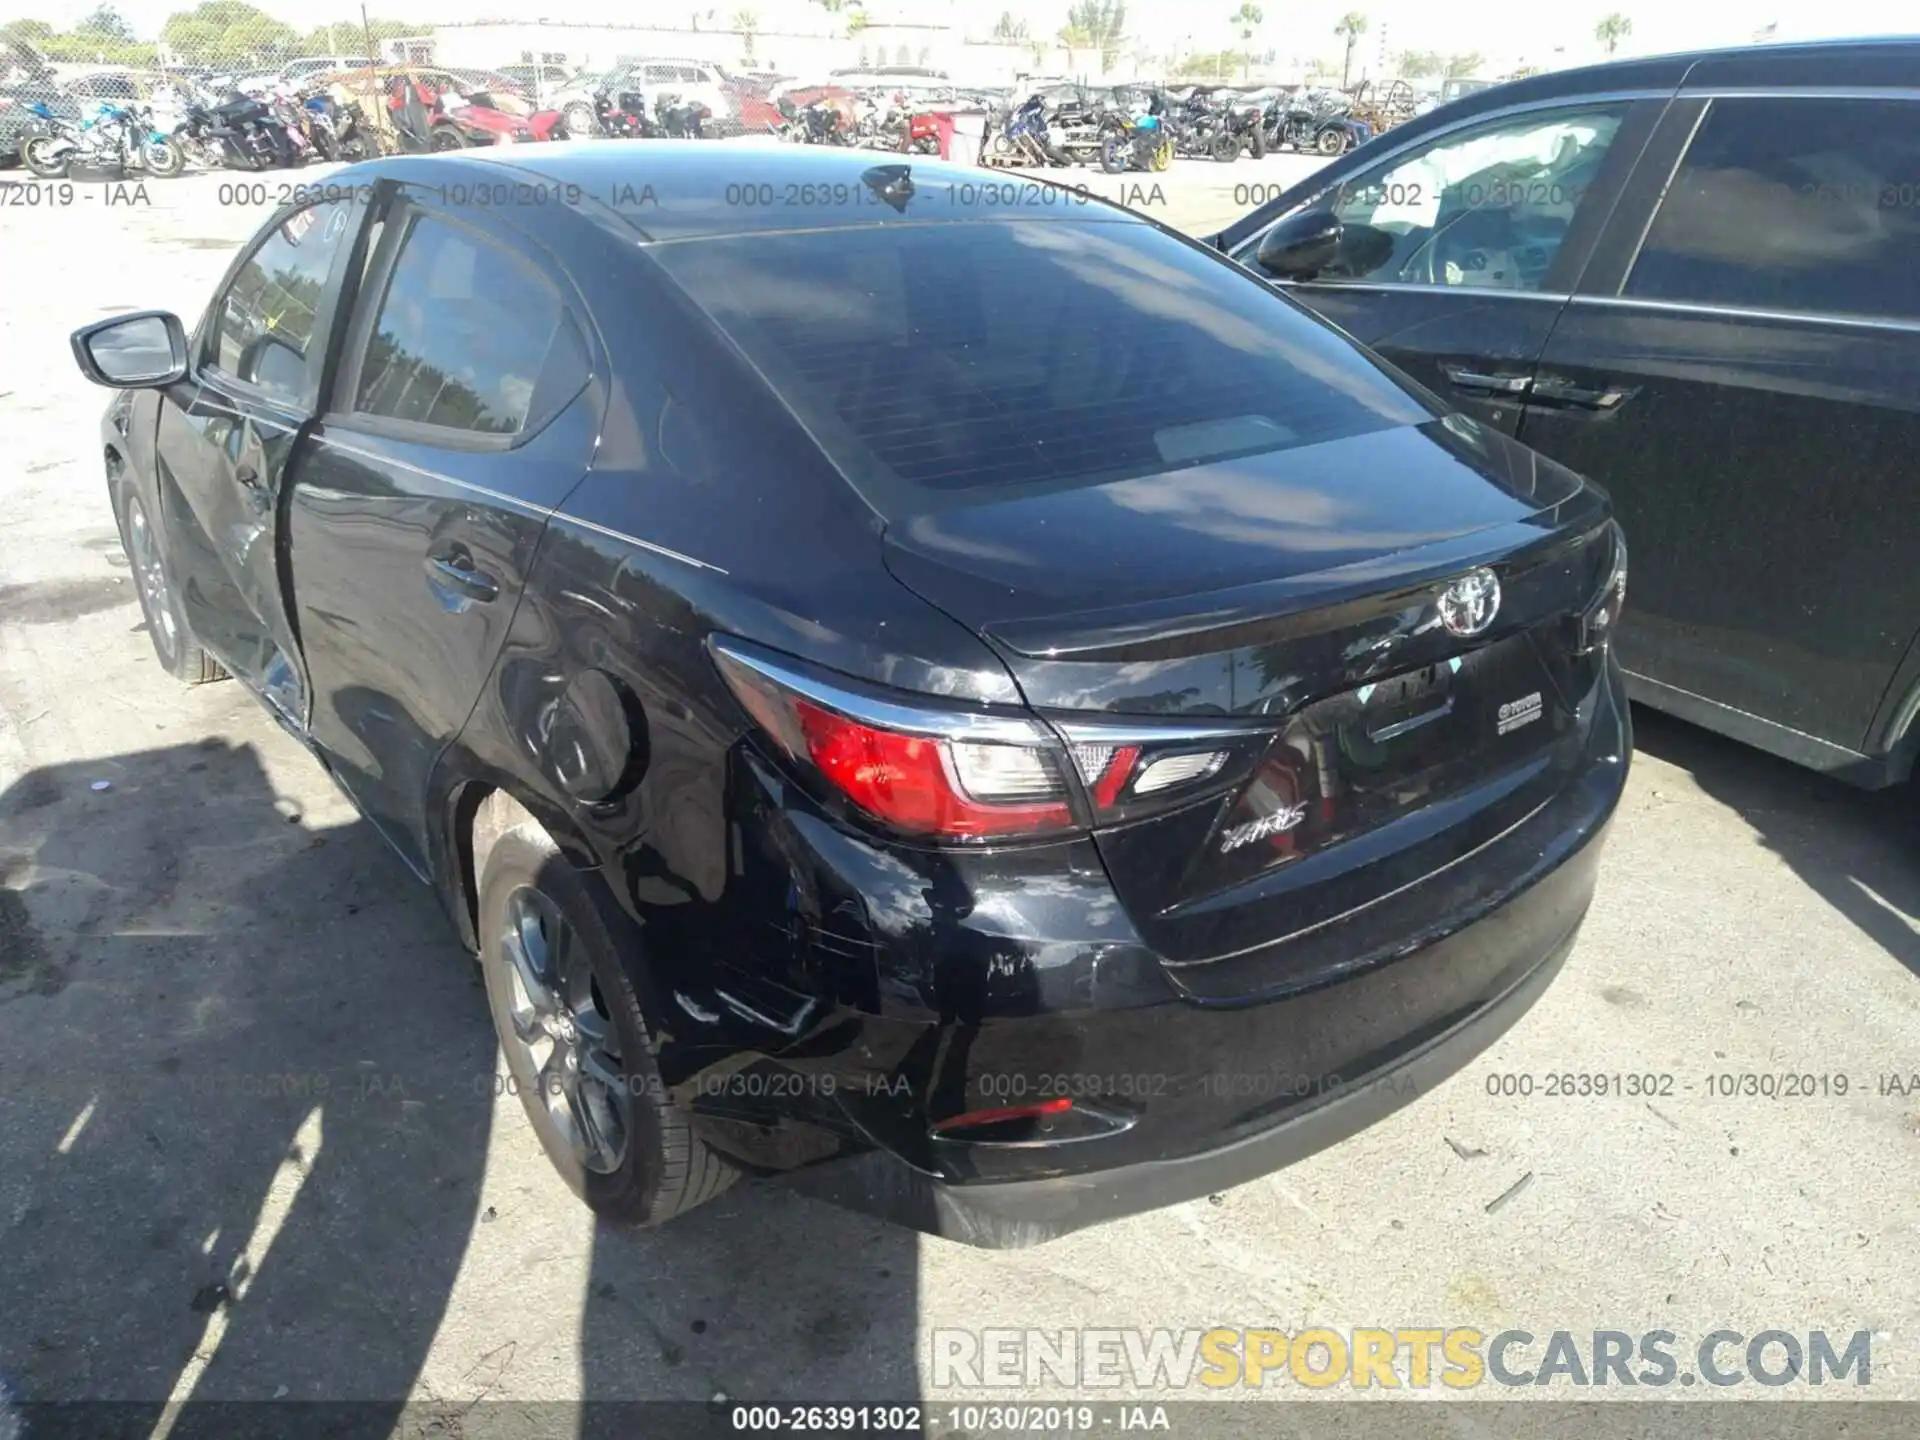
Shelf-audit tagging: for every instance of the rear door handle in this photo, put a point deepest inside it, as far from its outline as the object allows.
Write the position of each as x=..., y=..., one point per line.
x=246, y=475
x=1481, y=382
x=456, y=572
x=1565, y=392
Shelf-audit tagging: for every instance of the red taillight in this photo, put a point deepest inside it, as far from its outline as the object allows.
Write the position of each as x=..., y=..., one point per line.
x=960, y=774
x=910, y=780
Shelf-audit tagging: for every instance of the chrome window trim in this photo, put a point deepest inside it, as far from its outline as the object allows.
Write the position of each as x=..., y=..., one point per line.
x=1245, y=250
x=1738, y=312
x=1398, y=286
x=1798, y=92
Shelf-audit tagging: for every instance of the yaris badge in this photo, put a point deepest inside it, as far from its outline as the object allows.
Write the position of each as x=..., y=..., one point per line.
x=1467, y=606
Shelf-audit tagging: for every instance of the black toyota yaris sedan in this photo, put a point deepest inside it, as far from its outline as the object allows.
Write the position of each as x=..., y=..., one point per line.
x=942, y=687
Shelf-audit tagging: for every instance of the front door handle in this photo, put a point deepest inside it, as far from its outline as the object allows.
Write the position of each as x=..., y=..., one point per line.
x=1483, y=383
x=1565, y=392
x=456, y=572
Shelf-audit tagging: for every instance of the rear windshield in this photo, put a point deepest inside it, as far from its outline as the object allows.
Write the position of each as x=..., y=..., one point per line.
x=950, y=363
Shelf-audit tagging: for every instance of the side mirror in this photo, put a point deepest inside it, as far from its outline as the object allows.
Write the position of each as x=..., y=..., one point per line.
x=145, y=351
x=1301, y=245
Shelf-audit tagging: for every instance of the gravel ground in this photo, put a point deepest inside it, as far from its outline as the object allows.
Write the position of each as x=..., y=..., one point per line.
x=186, y=905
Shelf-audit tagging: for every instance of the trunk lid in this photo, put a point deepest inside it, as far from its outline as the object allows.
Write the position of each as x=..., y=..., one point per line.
x=1287, y=611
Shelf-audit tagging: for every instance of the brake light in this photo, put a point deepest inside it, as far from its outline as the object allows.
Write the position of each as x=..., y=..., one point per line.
x=1602, y=617
x=961, y=774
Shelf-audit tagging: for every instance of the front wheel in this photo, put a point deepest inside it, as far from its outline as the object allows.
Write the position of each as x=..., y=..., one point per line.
x=173, y=645
x=1113, y=154
x=163, y=157
x=46, y=156
x=576, y=1041
x=1163, y=157
x=1226, y=148
x=1331, y=142
x=580, y=120
x=445, y=137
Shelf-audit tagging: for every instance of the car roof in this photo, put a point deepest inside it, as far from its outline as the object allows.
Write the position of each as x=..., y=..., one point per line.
x=682, y=189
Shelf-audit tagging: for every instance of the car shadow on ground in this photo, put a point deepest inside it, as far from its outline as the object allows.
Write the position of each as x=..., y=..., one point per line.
x=246, y=1113
x=1859, y=850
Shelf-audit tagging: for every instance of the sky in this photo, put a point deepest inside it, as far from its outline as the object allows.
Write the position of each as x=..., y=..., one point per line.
x=1548, y=35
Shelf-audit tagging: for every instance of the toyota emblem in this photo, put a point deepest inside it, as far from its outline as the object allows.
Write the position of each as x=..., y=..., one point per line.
x=1467, y=605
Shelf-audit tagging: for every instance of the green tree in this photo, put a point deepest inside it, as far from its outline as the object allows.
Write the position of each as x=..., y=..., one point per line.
x=748, y=24
x=105, y=23
x=1104, y=22
x=1351, y=27
x=1612, y=29
x=1249, y=17
x=227, y=32
x=1418, y=64
x=1008, y=30
x=32, y=32
x=1462, y=67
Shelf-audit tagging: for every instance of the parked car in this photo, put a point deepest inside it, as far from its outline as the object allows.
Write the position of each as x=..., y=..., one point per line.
x=299, y=72
x=1007, y=795
x=1695, y=279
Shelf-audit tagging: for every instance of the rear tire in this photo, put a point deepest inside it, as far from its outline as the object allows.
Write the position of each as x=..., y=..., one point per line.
x=173, y=644
x=164, y=158
x=1115, y=154
x=554, y=971
x=34, y=155
x=445, y=137
x=580, y=120
x=1331, y=142
x=1225, y=149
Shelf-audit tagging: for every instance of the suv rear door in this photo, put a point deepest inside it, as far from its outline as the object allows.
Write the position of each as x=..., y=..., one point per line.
x=1739, y=372
x=1459, y=248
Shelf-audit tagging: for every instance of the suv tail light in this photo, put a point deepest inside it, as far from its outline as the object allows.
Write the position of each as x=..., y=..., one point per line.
x=958, y=774
x=953, y=772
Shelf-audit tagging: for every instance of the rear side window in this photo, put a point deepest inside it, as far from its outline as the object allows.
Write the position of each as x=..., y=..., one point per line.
x=1788, y=204
x=936, y=362
x=464, y=332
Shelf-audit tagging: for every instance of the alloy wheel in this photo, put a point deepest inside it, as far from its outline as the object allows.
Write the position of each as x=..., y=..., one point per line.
x=565, y=1035
x=150, y=573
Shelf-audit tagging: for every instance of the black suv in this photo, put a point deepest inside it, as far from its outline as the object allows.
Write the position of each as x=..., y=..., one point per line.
x=1696, y=280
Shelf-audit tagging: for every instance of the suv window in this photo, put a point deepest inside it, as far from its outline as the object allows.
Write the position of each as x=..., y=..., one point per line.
x=656, y=74
x=1486, y=207
x=262, y=324
x=463, y=333
x=1793, y=204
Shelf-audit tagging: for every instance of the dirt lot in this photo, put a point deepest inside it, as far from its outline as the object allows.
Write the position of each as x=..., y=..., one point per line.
x=187, y=907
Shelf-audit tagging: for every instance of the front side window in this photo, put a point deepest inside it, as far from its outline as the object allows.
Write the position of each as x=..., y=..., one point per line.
x=263, y=323
x=1793, y=204
x=463, y=333
x=1487, y=208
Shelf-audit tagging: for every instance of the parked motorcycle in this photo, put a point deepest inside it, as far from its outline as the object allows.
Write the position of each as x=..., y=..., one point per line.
x=1022, y=136
x=1316, y=120
x=817, y=123
x=108, y=137
x=1134, y=142
x=681, y=119
x=236, y=132
x=1199, y=130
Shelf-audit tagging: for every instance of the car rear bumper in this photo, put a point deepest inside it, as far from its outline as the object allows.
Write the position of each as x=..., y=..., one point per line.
x=1011, y=1214
x=910, y=989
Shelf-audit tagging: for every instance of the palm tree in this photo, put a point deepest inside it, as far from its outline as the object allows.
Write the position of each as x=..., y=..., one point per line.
x=1352, y=26
x=1462, y=67
x=748, y=24
x=1612, y=30
x=1009, y=29
x=1075, y=37
x=1249, y=18
x=1106, y=22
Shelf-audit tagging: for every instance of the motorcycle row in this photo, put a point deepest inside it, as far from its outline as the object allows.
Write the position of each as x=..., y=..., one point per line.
x=183, y=123
x=1145, y=128
x=867, y=119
